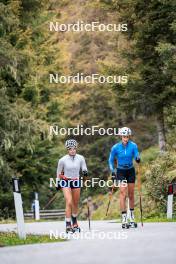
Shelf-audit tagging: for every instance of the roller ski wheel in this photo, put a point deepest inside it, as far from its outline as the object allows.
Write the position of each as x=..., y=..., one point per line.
x=133, y=225
x=76, y=229
x=69, y=230
x=125, y=226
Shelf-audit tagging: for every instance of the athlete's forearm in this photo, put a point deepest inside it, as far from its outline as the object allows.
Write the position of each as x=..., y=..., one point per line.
x=59, y=169
x=111, y=162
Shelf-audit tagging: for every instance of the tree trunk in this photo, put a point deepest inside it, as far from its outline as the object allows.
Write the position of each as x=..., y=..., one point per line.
x=161, y=130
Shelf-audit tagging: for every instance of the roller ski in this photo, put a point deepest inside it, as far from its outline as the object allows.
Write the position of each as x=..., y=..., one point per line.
x=76, y=229
x=69, y=230
x=125, y=224
x=132, y=224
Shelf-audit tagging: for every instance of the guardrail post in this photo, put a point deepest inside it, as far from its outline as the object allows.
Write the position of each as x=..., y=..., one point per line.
x=170, y=201
x=18, y=208
x=37, y=207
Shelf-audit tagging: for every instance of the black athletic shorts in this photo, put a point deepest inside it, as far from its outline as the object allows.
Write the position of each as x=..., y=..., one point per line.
x=126, y=174
x=73, y=184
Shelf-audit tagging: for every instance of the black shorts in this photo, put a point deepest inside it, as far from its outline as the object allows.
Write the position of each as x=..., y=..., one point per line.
x=126, y=174
x=73, y=184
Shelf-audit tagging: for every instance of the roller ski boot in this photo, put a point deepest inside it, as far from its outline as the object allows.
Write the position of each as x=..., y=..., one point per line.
x=69, y=229
x=75, y=227
x=125, y=224
x=132, y=223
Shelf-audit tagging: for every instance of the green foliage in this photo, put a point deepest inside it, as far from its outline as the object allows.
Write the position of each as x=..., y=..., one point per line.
x=25, y=102
x=158, y=176
x=151, y=59
x=149, y=154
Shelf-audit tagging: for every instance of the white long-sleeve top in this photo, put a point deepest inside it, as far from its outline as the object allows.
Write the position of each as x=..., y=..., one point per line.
x=71, y=166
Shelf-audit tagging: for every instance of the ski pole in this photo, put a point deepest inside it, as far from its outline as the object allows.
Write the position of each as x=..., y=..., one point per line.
x=50, y=201
x=88, y=210
x=110, y=198
x=140, y=194
x=88, y=213
x=58, y=187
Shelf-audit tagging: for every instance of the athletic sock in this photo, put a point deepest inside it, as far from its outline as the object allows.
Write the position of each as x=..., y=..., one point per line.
x=131, y=214
x=124, y=216
x=74, y=219
x=68, y=222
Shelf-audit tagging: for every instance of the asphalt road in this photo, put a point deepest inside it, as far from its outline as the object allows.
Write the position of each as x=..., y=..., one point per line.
x=155, y=243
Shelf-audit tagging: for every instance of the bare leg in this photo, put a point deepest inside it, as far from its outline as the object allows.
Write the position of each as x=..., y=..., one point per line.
x=75, y=200
x=123, y=195
x=131, y=195
x=68, y=200
x=131, y=203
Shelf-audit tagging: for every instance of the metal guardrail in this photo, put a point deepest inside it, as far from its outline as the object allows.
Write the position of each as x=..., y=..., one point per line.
x=46, y=214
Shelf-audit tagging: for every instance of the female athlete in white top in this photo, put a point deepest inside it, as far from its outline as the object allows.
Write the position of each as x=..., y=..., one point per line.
x=68, y=172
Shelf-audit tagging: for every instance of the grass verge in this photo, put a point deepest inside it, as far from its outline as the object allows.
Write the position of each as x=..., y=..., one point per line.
x=12, y=239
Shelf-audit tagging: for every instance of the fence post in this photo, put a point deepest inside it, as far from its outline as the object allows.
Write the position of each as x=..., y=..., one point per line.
x=170, y=202
x=37, y=207
x=18, y=208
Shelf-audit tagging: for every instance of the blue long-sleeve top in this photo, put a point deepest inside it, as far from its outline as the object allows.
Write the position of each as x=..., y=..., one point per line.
x=124, y=154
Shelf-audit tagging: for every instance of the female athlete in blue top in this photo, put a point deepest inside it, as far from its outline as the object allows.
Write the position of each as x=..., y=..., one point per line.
x=124, y=152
